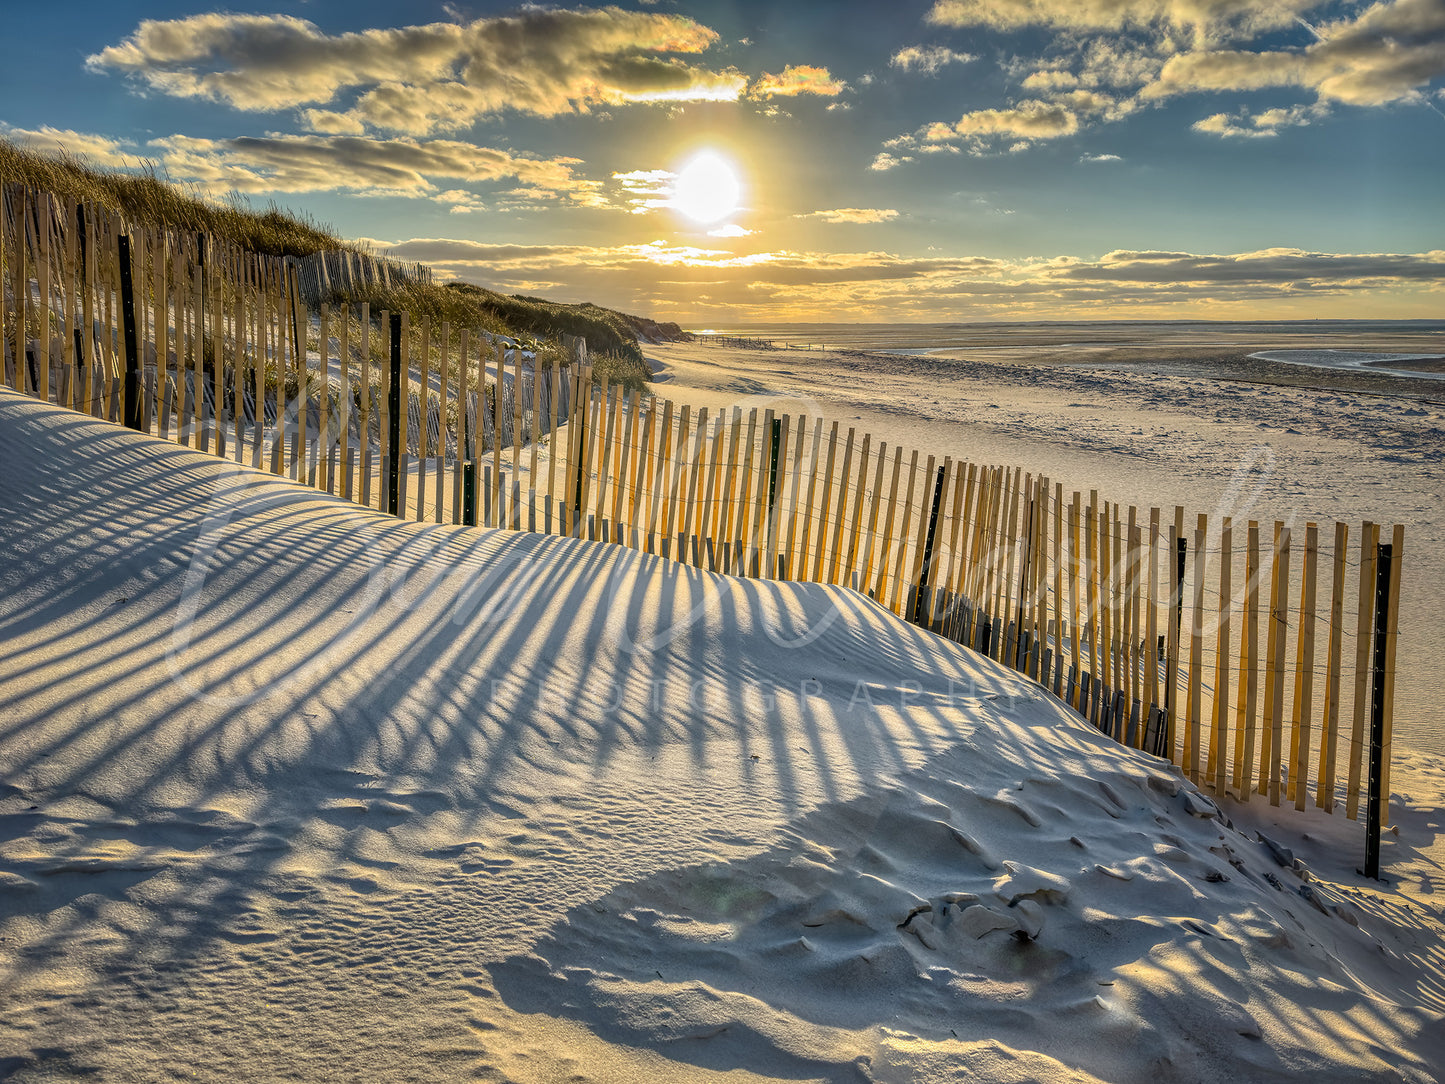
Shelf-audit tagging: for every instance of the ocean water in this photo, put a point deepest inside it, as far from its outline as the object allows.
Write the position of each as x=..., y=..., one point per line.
x=1401, y=338
x=1355, y=360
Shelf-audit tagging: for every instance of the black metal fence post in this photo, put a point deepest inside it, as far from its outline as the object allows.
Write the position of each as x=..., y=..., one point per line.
x=1022, y=640
x=1171, y=665
x=1377, y=713
x=132, y=350
x=469, y=478
x=393, y=422
x=81, y=271
x=773, y=468
x=920, y=600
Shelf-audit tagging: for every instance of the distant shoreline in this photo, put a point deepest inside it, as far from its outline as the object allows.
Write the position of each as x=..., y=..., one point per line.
x=1372, y=336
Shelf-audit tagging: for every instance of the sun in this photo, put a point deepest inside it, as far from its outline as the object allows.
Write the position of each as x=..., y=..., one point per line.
x=707, y=189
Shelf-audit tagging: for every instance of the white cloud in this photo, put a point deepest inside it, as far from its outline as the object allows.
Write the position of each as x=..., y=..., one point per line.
x=853, y=215
x=645, y=190
x=680, y=281
x=1031, y=119
x=929, y=59
x=796, y=79
x=419, y=79
x=1050, y=80
x=731, y=230
x=96, y=150
x=1256, y=126
x=1390, y=52
x=1203, y=18
x=1111, y=58
x=313, y=163
x=1100, y=158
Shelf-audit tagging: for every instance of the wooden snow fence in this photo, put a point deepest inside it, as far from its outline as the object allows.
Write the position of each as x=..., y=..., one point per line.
x=227, y=358
x=324, y=276
x=1256, y=654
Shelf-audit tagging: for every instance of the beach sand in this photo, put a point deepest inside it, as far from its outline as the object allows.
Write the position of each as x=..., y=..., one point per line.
x=1179, y=423
x=293, y=790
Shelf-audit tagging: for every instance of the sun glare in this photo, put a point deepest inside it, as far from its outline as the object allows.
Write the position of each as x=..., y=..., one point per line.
x=706, y=190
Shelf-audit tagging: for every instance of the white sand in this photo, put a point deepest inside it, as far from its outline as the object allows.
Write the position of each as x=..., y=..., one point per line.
x=290, y=790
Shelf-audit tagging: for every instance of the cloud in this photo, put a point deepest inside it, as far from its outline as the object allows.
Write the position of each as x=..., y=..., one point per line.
x=1225, y=70
x=1273, y=266
x=1100, y=158
x=419, y=79
x=96, y=150
x=1387, y=54
x=853, y=215
x=1208, y=18
x=1050, y=80
x=1114, y=62
x=1012, y=129
x=268, y=62
x=883, y=162
x=731, y=230
x=645, y=190
x=1111, y=58
x=1256, y=126
x=796, y=79
x=313, y=163
x=929, y=59
x=693, y=283
x=1031, y=119
x=1093, y=103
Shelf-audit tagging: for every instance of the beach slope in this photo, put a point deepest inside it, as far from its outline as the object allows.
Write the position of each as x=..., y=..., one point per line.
x=292, y=790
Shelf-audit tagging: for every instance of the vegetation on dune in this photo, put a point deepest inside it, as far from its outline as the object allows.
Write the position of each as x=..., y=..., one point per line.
x=149, y=199
x=631, y=373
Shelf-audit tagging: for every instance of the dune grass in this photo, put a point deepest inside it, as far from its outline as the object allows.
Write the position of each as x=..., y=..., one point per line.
x=151, y=200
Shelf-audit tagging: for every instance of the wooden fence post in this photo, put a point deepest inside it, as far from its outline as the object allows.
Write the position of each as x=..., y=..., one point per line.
x=394, y=408
x=920, y=605
x=1273, y=732
x=1392, y=636
x=1373, y=803
x=132, y=351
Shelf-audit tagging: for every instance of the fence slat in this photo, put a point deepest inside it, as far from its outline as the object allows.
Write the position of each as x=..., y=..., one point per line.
x=899, y=592
x=1304, y=674
x=715, y=496
x=1247, y=708
x=696, y=459
x=1219, y=735
x=795, y=477
x=1193, y=722
x=1274, y=665
x=1330, y=720
x=839, y=512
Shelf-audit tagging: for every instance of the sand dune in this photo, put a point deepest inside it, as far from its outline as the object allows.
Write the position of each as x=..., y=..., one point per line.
x=1202, y=425
x=289, y=789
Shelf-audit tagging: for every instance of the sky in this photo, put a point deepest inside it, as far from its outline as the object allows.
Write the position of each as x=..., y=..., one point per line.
x=735, y=163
